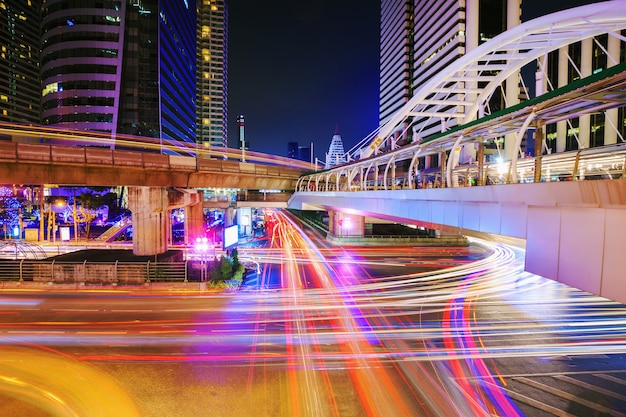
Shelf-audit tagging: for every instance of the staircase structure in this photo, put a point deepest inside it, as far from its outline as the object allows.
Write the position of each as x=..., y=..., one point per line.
x=115, y=230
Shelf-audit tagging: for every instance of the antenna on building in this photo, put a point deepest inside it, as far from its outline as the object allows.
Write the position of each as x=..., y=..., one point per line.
x=242, y=137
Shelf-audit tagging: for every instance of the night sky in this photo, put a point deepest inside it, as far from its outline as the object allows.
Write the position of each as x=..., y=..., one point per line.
x=299, y=70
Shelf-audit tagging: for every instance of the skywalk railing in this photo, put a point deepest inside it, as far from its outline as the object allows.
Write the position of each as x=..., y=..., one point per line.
x=605, y=162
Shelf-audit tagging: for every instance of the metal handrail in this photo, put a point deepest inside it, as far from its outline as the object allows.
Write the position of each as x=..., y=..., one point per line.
x=608, y=162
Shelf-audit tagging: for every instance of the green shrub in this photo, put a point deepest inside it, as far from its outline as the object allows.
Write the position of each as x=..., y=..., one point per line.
x=226, y=268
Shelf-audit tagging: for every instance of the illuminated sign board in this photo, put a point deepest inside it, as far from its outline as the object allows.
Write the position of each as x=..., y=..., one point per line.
x=231, y=236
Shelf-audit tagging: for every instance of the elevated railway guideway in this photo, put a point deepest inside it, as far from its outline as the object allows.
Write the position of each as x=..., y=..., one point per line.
x=30, y=157
x=159, y=177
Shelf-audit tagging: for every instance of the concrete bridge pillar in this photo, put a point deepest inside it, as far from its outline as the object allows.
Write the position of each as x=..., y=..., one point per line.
x=229, y=216
x=194, y=219
x=343, y=224
x=150, y=219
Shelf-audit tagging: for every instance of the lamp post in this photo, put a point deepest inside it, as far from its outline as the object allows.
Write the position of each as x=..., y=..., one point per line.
x=202, y=247
x=52, y=226
x=51, y=236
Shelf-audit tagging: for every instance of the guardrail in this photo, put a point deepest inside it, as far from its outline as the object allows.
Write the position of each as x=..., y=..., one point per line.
x=100, y=273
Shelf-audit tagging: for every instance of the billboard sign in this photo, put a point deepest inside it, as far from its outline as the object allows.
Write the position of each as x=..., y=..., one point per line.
x=231, y=236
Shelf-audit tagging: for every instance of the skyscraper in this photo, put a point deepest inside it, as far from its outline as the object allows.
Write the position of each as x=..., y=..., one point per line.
x=20, y=90
x=212, y=73
x=292, y=150
x=177, y=71
x=335, y=154
x=302, y=153
x=420, y=38
x=120, y=67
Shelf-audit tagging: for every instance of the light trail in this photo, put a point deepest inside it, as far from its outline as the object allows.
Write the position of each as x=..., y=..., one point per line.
x=428, y=343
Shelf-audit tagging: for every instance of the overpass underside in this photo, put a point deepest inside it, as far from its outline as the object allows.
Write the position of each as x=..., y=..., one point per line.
x=574, y=231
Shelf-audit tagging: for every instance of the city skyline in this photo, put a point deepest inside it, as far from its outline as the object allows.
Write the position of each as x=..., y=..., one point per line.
x=301, y=74
x=277, y=108
x=293, y=73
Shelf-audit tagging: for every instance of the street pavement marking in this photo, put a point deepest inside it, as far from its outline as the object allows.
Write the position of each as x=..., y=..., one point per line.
x=532, y=402
x=570, y=397
x=591, y=387
x=611, y=378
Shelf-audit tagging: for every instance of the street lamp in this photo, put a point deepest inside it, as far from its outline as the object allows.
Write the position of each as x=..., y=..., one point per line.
x=52, y=226
x=202, y=247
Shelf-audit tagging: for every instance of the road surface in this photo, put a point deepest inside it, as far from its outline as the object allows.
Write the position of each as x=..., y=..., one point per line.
x=324, y=332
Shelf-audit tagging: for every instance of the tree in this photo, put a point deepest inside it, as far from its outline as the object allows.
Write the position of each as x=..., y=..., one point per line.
x=10, y=210
x=90, y=202
x=235, y=260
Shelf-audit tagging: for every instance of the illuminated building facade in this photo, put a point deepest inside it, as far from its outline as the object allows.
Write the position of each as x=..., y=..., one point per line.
x=572, y=63
x=20, y=90
x=120, y=67
x=295, y=151
x=177, y=26
x=212, y=73
x=335, y=154
x=421, y=38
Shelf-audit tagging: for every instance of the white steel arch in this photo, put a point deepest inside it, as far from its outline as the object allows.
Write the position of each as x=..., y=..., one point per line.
x=452, y=96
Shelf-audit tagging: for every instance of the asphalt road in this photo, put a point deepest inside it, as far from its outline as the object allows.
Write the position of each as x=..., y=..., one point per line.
x=322, y=332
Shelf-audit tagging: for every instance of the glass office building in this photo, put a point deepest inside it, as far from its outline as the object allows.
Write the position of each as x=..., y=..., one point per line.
x=120, y=67
x=20, y=91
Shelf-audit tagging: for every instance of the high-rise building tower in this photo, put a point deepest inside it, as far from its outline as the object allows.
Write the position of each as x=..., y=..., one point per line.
x=120, y=67
x=212, y=73
x=420, y=38
x=292, y=150
x=20, y=90
x=302, y=153
x=177, y=69
x=336, y=154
